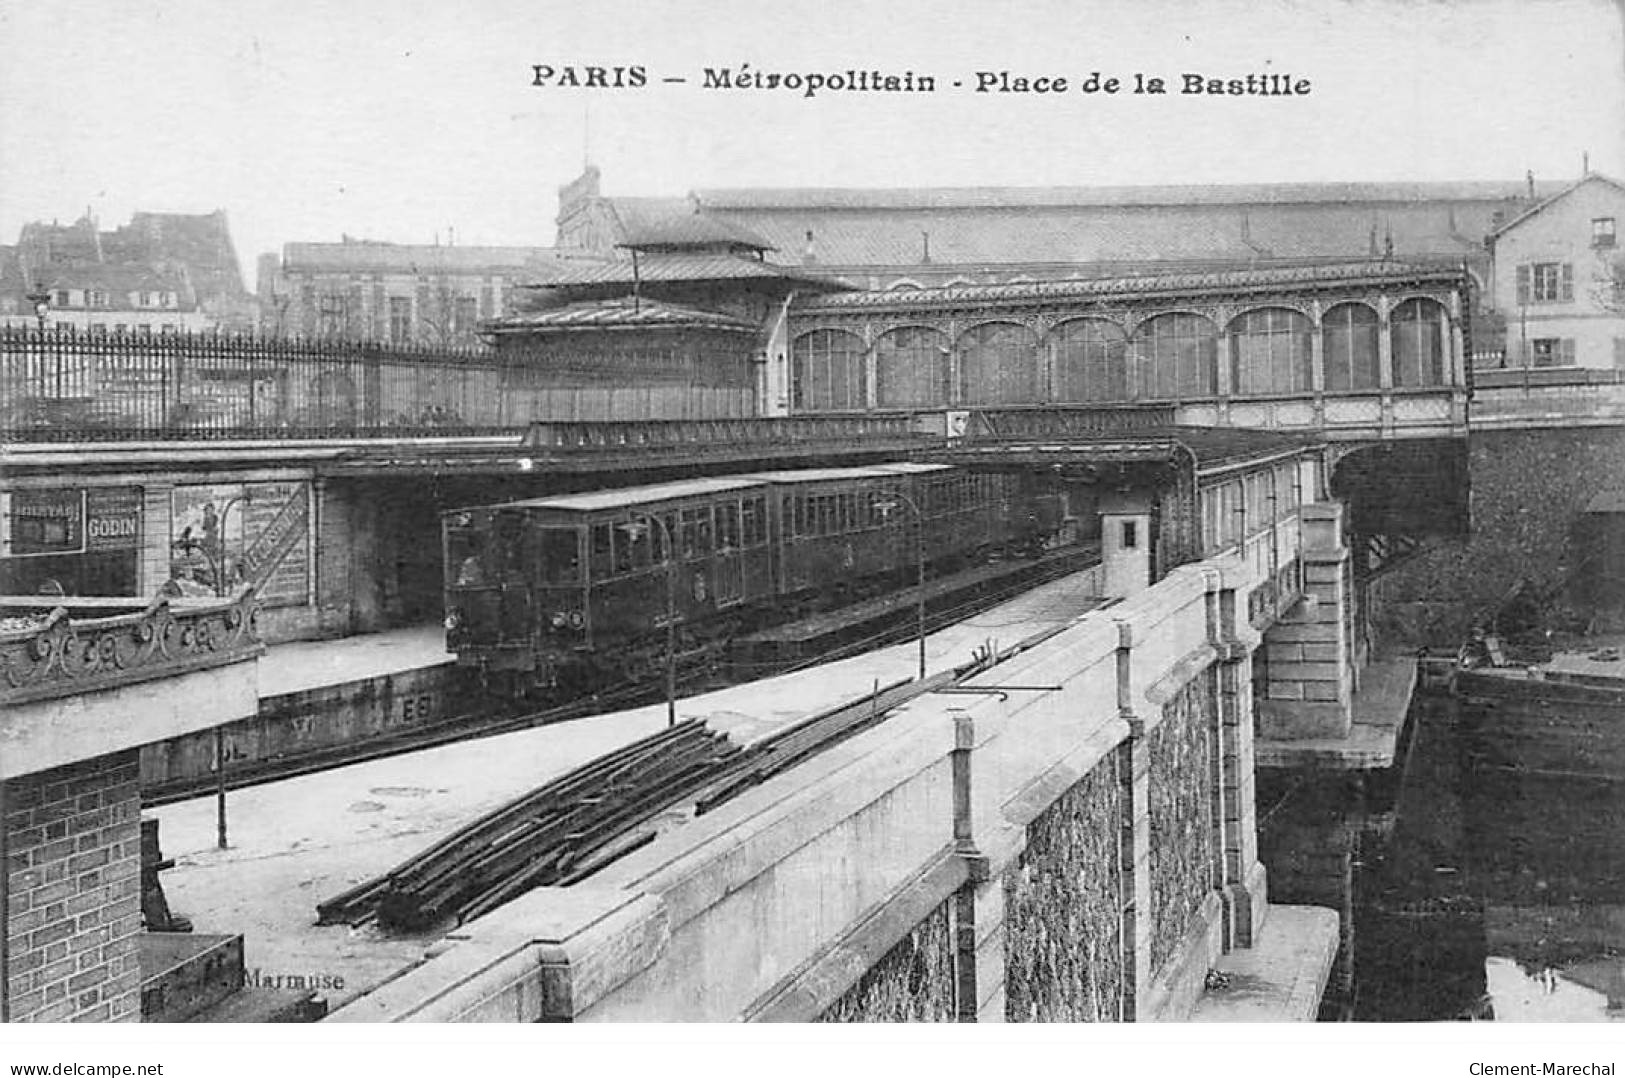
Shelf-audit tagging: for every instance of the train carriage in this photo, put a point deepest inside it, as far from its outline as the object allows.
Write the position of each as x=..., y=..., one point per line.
x=583, y=582
x=532, y=583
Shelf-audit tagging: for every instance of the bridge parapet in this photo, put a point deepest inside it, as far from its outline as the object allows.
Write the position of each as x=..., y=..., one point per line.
x=1547, y=397
x=1068, y=834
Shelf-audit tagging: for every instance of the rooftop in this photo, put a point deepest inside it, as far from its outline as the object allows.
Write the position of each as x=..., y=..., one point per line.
x=624, y=312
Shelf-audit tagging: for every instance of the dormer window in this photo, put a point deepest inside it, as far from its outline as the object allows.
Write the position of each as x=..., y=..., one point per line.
x=1602, y=232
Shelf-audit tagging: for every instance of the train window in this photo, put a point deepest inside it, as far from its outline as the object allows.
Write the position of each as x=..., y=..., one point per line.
x=846, y=510
x=560, y=555
x=826, y=514
x=751, y=521
x=602, y=566
x=696, y=532
x=463, y=549
x=798, y=516
x=728, y=526
x=632, y=545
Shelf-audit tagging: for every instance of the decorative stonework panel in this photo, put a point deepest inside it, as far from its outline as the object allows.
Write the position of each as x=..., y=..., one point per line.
x=1063, y=919
x=912, y=982
x=1181, y=806
x=51, y=653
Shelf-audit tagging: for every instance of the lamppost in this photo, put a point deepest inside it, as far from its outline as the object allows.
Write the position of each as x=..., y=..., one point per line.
x=633, y=530
x=41, y=299
x=919, y=564
x=217, y=561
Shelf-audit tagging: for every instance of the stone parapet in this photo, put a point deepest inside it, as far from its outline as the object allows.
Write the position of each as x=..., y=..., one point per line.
x=966, y=821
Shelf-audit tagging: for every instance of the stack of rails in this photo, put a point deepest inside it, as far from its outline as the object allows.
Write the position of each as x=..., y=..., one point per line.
x=554, y=835
x=568, y=829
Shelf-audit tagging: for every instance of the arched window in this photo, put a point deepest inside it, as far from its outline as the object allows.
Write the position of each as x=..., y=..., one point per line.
x=1349, y=334
x=911, y=368
x=1270, y=352
x=1418, y=343
x=998, y=364
x=1090, y=357
x=826, y=371
x=1176, y=356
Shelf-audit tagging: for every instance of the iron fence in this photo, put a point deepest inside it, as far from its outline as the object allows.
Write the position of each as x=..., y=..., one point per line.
x=68, y=385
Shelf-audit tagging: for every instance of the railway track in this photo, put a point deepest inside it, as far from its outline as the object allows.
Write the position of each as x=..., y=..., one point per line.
x=498, y=718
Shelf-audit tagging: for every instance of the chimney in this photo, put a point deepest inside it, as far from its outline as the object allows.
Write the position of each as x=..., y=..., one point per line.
x=1585, y=163
x=810, y=254
x=1529, y=178
x=925, y=247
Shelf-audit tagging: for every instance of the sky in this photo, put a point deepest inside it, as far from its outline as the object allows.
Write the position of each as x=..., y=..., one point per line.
x=418, y=122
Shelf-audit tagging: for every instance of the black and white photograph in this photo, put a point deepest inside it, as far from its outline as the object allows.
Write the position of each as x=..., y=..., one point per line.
x=1060, y=515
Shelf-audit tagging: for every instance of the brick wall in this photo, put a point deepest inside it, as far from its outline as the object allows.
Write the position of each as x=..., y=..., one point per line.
x=72, y=874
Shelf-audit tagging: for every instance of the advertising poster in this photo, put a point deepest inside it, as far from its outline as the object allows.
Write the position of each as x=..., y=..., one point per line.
x=226, y=534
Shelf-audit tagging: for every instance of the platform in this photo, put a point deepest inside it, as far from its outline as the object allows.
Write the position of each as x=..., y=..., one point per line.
x=299, y=841
x=313, y=664
x=1279, y=979
x=1380, y=706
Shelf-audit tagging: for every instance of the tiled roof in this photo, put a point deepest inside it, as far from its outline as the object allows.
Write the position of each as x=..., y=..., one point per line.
x=368, y=257
x=666, y=267
x=622, y=313
x=898, y=228
x=927, y=198
x=692, y=230
x=199, y=241
x=1540, y=206
x=1149, y=284
x=1058, y=235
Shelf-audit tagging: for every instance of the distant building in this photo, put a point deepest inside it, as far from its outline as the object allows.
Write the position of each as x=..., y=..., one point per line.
x=1558, y=283
x=161, y=273
x=401, y=293
x=923, y=237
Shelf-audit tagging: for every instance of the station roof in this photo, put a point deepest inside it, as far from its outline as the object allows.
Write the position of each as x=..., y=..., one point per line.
x=624, y=312
x=1159, y=284
x=1211, y=450
x=665, y=267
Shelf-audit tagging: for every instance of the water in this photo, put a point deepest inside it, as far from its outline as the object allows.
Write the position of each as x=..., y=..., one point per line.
x=1469, y=886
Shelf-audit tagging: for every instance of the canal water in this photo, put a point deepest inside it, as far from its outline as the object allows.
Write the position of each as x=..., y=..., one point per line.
x=1470, y=885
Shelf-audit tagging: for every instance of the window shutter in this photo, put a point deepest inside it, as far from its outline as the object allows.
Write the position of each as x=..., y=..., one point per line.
x=1523, y=286
x=1567, y=293
x=1566, y=351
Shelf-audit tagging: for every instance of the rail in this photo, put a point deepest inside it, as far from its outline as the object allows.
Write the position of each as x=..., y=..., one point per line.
x=56, y=647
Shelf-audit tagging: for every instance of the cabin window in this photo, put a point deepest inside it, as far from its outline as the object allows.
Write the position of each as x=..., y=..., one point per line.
x=752, y=514
x=728, y=527
x=1131, y=534
x=602, y=564
x=696, y=532
x=560, y=555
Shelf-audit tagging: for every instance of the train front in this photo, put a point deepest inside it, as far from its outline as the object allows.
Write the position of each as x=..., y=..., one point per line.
x=513, y=593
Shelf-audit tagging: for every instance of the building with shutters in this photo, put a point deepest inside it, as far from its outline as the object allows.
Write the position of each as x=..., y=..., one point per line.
x=428, y=294
x=1558, y=279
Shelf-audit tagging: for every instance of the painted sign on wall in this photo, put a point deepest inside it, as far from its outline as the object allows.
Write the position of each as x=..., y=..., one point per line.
x=223, y=535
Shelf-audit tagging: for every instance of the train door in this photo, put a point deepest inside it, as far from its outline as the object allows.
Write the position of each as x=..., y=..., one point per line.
x=730, y=556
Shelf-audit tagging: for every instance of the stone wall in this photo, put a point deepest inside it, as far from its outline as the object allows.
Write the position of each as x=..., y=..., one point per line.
x=913, y=982
x=1183, y=802
x=1064, y=958
x=73, y=893
x=1529, y=488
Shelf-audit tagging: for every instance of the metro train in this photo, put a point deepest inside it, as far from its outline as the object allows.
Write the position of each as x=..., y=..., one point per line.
x=553, y=592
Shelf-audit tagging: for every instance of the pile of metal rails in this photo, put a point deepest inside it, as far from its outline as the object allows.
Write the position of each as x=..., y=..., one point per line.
x=554, y=835
x=575, y=825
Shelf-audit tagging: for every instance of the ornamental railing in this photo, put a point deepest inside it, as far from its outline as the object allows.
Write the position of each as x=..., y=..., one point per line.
x=66, y=385
x=55, y=647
